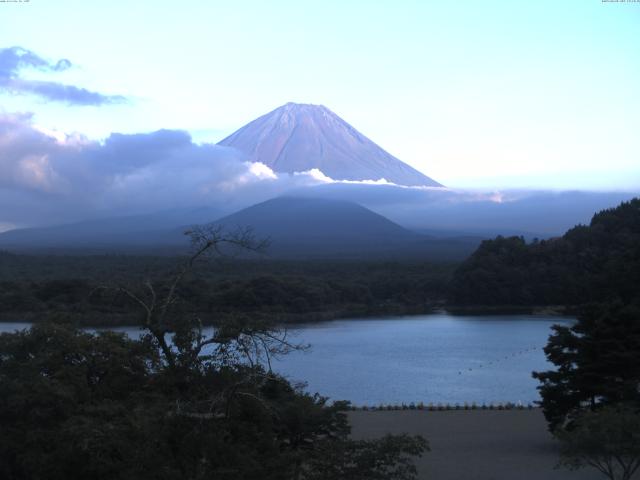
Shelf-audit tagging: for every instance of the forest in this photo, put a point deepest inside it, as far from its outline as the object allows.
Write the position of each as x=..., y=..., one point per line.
x=81, y=288
x=599, y=262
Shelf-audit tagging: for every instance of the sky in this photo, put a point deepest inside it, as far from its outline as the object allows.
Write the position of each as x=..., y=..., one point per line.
x=475, y=94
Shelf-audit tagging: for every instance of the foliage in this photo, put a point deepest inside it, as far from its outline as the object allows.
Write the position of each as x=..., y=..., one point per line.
x=388, y=457
x=607, y=439
x=33, y=287
x=174, y=404
x=599, y=262
x=597, y=363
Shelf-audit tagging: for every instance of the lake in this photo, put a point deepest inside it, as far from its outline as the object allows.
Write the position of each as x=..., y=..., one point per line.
x=436, y=358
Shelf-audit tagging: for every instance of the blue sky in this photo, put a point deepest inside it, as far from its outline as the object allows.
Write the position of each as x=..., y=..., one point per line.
x=476, y=94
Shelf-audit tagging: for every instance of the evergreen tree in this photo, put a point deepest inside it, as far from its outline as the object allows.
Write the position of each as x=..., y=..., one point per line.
x=597, y=363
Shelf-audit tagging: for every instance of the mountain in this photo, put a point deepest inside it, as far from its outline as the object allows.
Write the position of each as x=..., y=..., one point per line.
x=300, y=137
x=315, y=219
x=301, y=227
x=298, y=227
x=133, y=232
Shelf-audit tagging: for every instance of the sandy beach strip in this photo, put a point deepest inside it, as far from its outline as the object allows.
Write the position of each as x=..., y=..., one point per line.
x=475, y=444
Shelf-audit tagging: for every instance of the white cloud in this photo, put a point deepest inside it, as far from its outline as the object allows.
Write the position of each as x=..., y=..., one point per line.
x=318, y=175
x=261, y=171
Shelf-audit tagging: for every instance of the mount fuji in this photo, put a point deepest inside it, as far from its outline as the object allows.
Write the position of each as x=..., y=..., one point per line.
x=300, y=137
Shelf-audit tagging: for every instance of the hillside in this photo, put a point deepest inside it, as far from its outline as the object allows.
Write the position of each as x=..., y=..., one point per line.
x=598, y=262
x=321, y=228
x=298, y=227
x=131, y=232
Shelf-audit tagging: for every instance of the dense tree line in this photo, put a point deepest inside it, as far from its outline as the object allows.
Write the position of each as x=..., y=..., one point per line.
x=598, y=262
x=36, y=287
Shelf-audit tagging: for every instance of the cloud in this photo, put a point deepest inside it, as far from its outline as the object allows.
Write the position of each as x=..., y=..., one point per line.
x=318, y=175
x=49, y=177
x=16, y=59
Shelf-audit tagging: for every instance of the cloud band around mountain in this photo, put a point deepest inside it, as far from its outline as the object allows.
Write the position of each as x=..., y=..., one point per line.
x=49, y=177
x=14, y=60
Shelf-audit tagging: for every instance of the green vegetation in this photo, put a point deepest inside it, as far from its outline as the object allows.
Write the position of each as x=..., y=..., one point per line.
x=595, y=263
x=597, y=364
x=174, y=404
x=80, y=405
x=35, y=287
x=599, y=262
x=591, y=400
x=75, y=405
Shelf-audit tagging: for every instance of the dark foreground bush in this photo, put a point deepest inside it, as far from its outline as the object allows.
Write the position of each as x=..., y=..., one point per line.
x=75, y=405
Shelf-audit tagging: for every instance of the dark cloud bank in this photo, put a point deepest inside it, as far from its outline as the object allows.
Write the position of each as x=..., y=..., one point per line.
x=14, y=60
x=47, y=178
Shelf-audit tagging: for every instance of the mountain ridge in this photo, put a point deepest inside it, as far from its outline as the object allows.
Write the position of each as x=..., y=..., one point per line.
x=298, y=227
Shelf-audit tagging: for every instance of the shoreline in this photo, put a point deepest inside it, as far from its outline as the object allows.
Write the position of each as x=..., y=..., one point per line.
x=445, y=406
x=549, y=310
x=299, y=319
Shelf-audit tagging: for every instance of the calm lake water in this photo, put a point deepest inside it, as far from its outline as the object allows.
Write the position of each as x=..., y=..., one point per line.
x=429, y=358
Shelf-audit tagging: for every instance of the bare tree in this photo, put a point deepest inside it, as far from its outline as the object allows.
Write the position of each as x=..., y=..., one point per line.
x=224, y=382
x=255, y=342
x=182, y=341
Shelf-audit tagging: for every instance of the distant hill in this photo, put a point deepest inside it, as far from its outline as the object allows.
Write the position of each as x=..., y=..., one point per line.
x=541, y=214
x=598, y=262
x=299, y=228
x=300, y=137
x=134, y=232
x=319, y=228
